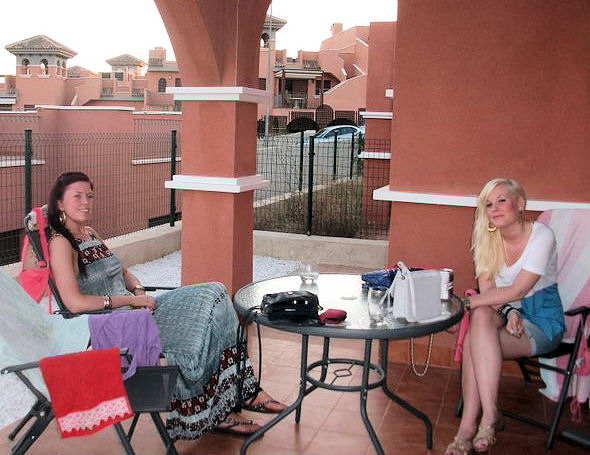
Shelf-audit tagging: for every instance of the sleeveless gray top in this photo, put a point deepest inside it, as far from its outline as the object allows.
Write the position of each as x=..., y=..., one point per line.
x=104, y=270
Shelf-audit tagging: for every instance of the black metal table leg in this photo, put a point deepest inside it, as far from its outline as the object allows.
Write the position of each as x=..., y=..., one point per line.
x=302, y=375
x=364, y=391
x=401, y=402
x=296, y=406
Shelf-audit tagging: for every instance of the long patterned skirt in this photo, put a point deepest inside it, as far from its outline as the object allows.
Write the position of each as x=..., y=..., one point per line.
x=198, y=327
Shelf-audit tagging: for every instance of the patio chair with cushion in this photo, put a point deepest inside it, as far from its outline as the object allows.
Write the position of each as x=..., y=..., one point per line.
x=32, y=232
x=559, y=369
x=150, y=389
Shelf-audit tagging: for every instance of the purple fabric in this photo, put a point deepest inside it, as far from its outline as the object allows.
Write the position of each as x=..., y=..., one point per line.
x=135, y=330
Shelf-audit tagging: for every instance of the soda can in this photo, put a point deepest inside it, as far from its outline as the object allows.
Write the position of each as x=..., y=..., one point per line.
x=446, y=283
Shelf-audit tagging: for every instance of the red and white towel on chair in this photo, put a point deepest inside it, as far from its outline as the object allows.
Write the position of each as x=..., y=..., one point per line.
x=86, y=390
x=572, y=232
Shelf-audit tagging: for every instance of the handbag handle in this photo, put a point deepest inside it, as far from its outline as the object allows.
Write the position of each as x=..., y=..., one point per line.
x=406, y=274
x=422, y=373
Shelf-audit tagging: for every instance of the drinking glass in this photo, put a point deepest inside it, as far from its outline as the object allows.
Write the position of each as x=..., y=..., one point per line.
x=378, y=304
x=308, y=274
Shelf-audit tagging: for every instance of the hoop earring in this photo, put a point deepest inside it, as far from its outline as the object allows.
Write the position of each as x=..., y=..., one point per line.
x=491, y=228
x=62, y=218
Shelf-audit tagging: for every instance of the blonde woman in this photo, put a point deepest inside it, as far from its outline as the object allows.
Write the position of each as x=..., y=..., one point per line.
x=517, y=313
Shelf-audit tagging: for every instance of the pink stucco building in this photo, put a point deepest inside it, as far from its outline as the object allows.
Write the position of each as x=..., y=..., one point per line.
x=44, y=78
x=334, y=76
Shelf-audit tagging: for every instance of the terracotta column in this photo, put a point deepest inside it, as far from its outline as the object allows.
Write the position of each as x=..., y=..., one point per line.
x=483, y=90
x=216, y=46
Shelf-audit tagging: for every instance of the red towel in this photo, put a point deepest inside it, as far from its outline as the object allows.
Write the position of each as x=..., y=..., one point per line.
x=86, y=390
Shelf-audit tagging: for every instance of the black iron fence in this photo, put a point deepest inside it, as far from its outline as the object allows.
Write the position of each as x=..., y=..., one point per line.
x=322, y=188
x=319, y=188
x=127, y=169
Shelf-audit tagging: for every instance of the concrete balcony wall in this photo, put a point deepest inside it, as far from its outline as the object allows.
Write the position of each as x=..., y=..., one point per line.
x=331, y=62
x=346, y=94
x=90, y=90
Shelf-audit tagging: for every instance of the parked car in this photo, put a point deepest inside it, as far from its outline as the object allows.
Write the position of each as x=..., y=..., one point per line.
x=328, y=133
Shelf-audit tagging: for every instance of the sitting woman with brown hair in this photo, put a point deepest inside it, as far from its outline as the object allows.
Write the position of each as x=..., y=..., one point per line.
x=197, y=323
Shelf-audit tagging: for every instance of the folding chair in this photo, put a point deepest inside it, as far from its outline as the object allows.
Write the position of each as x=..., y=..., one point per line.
x=150, y=389
x=557, y=368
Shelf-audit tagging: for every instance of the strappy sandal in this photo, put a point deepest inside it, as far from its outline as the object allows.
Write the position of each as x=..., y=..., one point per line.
x=459, y=447
x=485, y=437
x=231, y=426
x=263, y=406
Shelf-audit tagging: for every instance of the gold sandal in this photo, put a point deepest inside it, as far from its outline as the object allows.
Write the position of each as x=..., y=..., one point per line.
x=459, y=447
x=486, y=437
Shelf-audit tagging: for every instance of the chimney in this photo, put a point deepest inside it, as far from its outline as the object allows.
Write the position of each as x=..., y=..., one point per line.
x=336, y=28
x=157, y=56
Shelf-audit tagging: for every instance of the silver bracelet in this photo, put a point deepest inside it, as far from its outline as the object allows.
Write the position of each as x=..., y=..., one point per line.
x=107, y=302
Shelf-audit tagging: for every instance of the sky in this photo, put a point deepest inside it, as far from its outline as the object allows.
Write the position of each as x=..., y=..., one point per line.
x=98, y=31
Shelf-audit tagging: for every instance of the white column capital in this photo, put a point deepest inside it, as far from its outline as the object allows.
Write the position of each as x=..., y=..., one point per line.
x=386, y=194
x=383, y=115
x=244, y=94
x=217, y=184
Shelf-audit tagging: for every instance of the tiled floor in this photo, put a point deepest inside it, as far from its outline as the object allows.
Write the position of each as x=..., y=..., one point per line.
x=331, y=422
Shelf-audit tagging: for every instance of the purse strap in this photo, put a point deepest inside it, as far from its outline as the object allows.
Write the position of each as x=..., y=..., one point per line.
x=422, y=373
x=406, y=274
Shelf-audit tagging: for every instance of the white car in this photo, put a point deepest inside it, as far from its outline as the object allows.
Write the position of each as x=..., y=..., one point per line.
x=328, y=133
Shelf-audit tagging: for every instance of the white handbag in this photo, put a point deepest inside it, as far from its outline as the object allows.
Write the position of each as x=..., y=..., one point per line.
x=416, y=295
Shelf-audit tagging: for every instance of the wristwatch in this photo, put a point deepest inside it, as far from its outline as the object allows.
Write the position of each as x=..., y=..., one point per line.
x=467, y=304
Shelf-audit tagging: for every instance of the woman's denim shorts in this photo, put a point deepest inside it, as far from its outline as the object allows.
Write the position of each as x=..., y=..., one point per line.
x=540, y=344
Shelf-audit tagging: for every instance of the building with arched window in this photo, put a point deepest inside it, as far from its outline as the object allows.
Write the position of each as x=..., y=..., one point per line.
x=335, y=75
x=25, y=68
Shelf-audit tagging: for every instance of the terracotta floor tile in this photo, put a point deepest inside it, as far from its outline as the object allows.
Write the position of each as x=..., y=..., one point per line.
x=319, y=397
x=349, y=422
x=377, y=402
x=288, y=435
x=311, y=416
x=341, y=443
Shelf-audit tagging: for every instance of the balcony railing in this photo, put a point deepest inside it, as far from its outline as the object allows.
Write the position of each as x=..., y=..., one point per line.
x=296, y=101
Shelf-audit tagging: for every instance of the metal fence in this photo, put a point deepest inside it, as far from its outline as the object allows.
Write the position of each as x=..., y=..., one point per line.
x=320, y=188
x=127, y=169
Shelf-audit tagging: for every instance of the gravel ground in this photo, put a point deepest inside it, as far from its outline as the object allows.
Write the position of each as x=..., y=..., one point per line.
x=15, y=398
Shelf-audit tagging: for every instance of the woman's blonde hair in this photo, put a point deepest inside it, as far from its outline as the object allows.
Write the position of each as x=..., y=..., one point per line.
x=487, y=246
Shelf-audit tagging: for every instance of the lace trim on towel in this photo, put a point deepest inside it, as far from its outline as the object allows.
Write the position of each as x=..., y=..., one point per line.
x=117, y=408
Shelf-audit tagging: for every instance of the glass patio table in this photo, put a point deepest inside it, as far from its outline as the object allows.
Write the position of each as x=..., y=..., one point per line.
x=345, y=292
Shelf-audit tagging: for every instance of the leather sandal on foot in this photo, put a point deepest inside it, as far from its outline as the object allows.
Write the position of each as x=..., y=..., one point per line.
x=263, y=405
x=238, y=427
x=486, y=437
x=459, y=447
